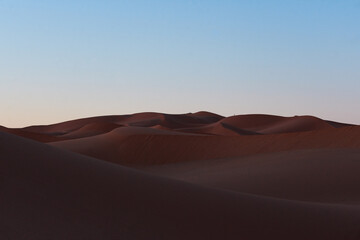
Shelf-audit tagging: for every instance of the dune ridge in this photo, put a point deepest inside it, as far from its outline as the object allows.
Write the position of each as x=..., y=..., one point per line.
x=200, y=122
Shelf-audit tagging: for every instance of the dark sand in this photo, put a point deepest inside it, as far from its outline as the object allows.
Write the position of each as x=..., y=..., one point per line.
x=185, y=176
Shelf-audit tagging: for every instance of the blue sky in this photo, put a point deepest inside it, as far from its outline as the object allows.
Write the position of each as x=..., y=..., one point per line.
x=61, y=60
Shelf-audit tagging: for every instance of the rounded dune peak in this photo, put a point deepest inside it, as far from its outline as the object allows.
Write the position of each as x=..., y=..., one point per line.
x=207, y=116
x=297, y=124
x=72, y=125
x=271, y=124
x=91, y=129
x=30, y=135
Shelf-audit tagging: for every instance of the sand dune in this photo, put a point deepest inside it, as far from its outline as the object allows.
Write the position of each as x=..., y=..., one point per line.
x=200, y=122
x=181, y=176
x=30, y=135
x=171, y=121
x=150, y=147
x=320, y=175
x=268, y=124
x=218, y=128
x=207, y=116
x=66, y=127
x=97, y=124
x=51, y=194
x=91, y=129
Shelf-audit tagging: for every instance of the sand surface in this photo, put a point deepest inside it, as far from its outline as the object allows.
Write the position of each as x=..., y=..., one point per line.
x=181, y=176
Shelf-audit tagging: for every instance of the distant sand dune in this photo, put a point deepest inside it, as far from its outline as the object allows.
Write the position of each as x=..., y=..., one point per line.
x=144, y=146
x=268, y=124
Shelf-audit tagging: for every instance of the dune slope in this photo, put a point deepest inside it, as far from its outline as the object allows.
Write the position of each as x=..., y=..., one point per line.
x=47, y=193
x=314, y=175
x=139, y=146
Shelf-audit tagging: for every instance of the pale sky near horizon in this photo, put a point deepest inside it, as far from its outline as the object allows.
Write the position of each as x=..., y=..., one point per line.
x=61, y=60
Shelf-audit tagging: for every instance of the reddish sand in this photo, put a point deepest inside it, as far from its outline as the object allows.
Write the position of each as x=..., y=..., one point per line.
x=31, y=135
x=185, y=176
x=91, y=129
x=140, y=146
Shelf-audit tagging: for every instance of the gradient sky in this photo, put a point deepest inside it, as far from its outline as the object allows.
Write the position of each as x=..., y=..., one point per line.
x=67, y=59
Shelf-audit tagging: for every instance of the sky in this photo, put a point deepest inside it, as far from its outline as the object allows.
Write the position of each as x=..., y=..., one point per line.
x=62, y=60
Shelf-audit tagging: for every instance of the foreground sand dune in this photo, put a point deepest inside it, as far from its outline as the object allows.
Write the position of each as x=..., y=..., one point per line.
x=315, y=175
x=51, y=194
x=181, y=176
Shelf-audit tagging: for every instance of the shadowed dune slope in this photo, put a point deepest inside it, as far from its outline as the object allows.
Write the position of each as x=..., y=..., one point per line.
x=59, y=129
x=268, y=124
x=207, y=116
x=30, y=135
x=91, y=129
x=218, y=128
x=47, y=193
x=171, y=121
x=339, y=125
x=154, y=147
x=321, y=175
